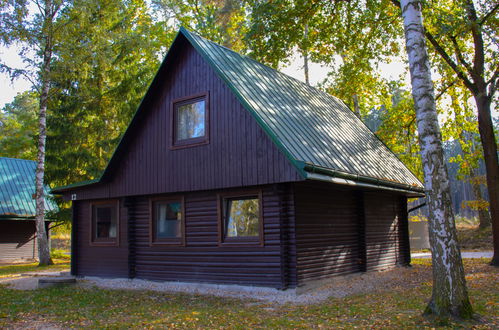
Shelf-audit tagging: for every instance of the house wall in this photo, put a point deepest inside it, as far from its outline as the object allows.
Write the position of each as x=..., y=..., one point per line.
x=202, y=259
x=94, y=260
x=17, y=241
x=340, y=230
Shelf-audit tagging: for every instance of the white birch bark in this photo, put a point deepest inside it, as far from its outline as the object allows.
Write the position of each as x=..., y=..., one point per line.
x=41, y=234
x=449, y=295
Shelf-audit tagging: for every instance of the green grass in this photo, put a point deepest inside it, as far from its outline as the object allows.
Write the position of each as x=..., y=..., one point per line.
x=99, y=308
x=17, y=269
x=60, y=254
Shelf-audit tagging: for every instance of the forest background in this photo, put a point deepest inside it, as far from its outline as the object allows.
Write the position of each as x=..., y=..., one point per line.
x=106, y=53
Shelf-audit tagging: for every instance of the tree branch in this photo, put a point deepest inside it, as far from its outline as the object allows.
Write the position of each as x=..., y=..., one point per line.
x=459, y=54
x=490, y=13
x=440, y=50
x=442, y=92
x=478, y=62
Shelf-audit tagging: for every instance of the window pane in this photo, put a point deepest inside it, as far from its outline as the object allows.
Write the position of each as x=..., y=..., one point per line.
x=168, y=220
x=190, y=120
x=242, y=217
x=105, y=222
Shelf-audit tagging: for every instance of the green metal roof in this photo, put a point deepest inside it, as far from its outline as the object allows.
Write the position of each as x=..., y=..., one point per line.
x=310, y=126
x=17, y=186
x=316, y=131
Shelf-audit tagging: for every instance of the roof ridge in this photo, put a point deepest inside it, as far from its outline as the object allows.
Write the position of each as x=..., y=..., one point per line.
x=314, y=88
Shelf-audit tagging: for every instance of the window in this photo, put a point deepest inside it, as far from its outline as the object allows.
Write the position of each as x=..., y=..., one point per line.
x=190, y=121
x=105, y=224
x=241, y=219
x=167, y=225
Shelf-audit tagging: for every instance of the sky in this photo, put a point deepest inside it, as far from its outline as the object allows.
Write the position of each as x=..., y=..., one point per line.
x=8, y=89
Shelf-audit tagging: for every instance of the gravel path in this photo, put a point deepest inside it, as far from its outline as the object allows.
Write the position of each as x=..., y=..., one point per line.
x=340, y=286
x=479, y=254
x=335, y=287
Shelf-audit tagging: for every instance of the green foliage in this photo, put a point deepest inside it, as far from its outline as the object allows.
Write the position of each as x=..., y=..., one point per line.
x=350, y=37
x=222, y=21
x=18, y=127
x=398, y=129
x=105, y=62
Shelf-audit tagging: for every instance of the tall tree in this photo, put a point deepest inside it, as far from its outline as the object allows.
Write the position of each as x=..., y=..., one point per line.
x=18, y=125
x=462, y=127
x=463, y=35
x=104, y=63
x=36, y=32
x=449, y=295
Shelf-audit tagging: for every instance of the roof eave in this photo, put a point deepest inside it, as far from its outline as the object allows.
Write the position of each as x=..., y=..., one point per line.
x=329, y=175
x=73, y=186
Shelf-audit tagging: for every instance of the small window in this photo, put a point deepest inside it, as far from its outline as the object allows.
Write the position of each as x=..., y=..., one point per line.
x=105, y=228
x=241, y=219
x=190, y=121
x=167, y=221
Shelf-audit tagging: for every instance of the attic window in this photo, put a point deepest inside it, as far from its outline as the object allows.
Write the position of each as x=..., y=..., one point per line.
x=190, y=121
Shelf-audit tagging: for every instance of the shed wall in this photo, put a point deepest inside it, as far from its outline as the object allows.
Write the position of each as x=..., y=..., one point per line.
x=17, y=241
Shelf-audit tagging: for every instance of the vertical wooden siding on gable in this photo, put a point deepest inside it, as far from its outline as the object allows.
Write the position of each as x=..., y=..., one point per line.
x=239, y=152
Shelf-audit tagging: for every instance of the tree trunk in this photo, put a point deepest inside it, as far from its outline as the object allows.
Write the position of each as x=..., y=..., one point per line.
x=41, y=234
x=483, y=214
x=489, y=145
x=491, y=165
x=449, y=296
x=356, y=106
x=305, y=56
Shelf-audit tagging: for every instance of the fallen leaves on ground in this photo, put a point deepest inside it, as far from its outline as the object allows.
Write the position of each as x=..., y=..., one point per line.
x=396, y=306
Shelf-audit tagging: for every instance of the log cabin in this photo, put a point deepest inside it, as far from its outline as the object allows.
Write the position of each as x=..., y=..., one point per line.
x=17, y=210
x=232, y=172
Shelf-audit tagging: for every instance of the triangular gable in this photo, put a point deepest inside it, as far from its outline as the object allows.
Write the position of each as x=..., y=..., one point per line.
x=314, y=130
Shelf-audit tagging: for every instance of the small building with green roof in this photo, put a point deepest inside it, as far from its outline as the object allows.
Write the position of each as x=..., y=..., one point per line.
x=232, y=172
x=18, y=209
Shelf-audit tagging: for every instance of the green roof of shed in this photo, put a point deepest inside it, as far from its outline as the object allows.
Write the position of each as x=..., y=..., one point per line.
x=317, y=132
x=17, y=186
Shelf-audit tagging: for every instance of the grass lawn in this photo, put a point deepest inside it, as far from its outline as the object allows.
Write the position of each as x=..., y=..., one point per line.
x=93, y=307
x=17, y=269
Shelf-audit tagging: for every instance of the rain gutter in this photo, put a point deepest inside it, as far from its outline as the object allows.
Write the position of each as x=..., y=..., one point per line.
x=315, y=172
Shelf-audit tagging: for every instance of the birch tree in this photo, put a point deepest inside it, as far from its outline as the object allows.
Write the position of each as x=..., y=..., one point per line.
x=449, y=295
x=36, y=35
